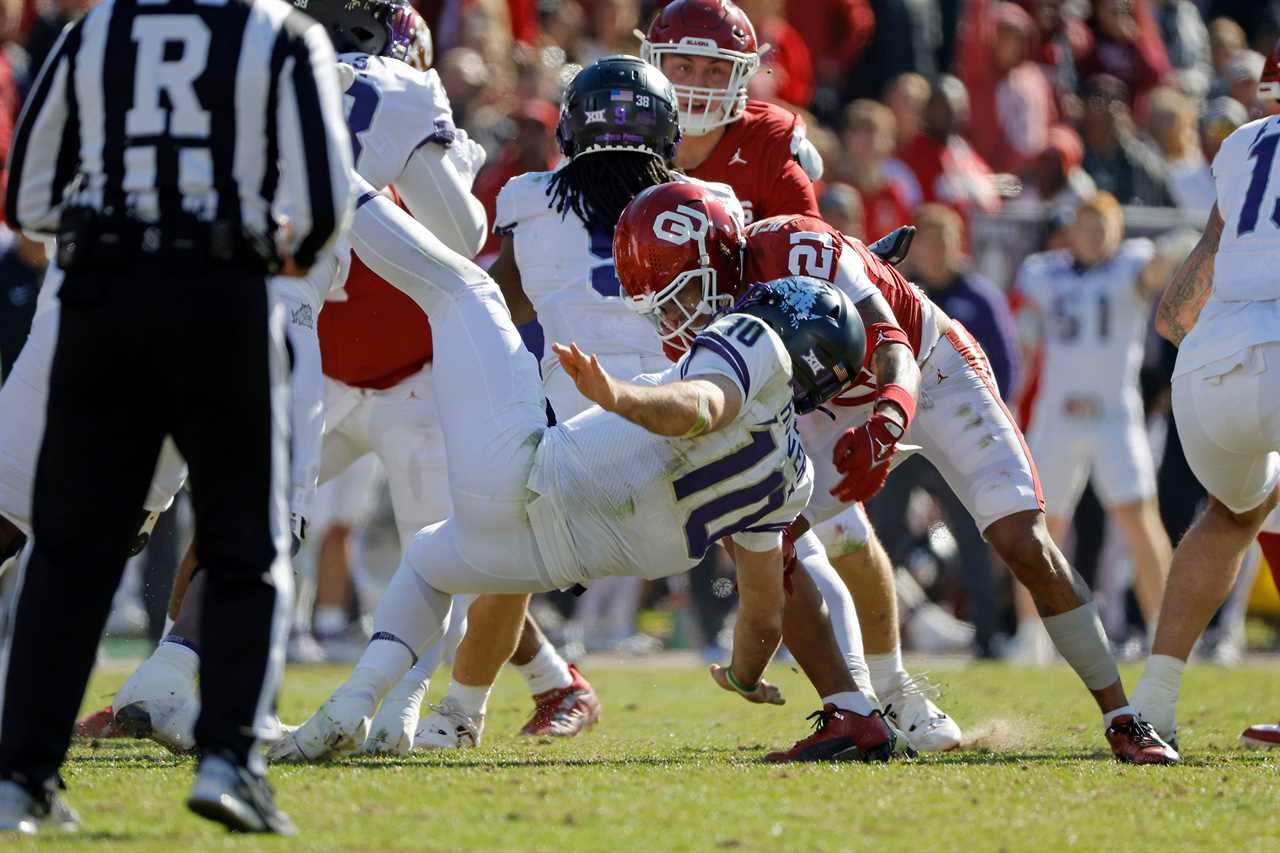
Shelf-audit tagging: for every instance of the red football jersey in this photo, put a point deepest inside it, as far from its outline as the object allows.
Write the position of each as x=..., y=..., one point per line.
x=377, y=337
x=756, y=157
x=805, y=245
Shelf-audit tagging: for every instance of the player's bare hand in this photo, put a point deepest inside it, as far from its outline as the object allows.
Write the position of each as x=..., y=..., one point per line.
x=593, y=381
x=763, y=694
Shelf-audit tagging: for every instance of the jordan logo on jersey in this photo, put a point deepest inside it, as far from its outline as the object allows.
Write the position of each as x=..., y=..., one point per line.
x=737, y=158
x=304, y=317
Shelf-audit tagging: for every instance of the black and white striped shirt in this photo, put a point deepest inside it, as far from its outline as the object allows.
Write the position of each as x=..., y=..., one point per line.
x=226, y=109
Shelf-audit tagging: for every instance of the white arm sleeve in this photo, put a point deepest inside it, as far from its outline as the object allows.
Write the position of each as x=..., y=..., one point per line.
x=852, y=278
x=405, y=254
x=439, y=196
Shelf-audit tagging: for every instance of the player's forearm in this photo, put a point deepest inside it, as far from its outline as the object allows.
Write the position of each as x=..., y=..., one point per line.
x=894, y=365
x=756, y=636
x=680, y=409
x=1190, y=286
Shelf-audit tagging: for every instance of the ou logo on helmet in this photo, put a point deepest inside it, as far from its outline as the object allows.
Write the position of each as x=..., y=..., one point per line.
x=681, y=225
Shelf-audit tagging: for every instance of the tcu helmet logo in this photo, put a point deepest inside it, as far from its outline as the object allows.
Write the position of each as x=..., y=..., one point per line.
x=681, y=225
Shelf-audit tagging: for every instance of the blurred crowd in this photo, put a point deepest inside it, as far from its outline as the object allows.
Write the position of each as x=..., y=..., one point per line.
x=970, y=103
x=939, y=113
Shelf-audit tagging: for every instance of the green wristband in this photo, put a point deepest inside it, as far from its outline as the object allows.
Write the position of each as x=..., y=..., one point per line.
x=736, y=686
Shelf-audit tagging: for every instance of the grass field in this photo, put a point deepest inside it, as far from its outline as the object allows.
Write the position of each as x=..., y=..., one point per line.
x=674, y=765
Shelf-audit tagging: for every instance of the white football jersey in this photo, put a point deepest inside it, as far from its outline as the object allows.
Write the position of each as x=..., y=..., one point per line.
x=629, y=502
x=392, y=110
x=1095, y=323
x=1244, y=308
x=568, y=274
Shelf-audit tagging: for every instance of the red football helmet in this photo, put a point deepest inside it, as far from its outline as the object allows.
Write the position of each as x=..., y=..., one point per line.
x=1269, y=84
x=713, y=28
x=677, y=252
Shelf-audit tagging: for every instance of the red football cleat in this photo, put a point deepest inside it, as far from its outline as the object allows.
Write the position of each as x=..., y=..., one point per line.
x=566, y=711
x=1261, y=736
x=841, y=735
x=1134, y=741
x=99, y=724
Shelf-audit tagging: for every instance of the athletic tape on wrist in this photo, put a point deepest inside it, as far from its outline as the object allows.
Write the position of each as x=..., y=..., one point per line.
x=702, y=421
x=902, y=398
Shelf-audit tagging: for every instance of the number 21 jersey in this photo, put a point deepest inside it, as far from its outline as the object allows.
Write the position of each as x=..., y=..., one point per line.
x=625, y=501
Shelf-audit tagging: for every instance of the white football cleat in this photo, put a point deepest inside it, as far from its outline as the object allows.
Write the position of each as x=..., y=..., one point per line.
x=448, y=727
x=1030, y=646
x=932, y=630
x=910, y=708
x=339, y=727
x=160, y=700
x=393, y=729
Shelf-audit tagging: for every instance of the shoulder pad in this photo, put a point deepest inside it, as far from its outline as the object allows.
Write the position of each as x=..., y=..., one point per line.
x=770, y=120
x=788, y=223
x=723, y=193
x=521, y=198
x=1041, y=263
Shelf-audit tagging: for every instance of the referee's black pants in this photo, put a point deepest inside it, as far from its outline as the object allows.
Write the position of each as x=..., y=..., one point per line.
x=143, y=353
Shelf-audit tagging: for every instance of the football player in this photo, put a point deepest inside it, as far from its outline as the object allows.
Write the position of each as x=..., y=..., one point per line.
x=925, y=382
x=1090, y=303
x=708, y=49
x=556, y=266
x=378, y=392
x=706, y=450
x=23, y=396
x=1221, y=310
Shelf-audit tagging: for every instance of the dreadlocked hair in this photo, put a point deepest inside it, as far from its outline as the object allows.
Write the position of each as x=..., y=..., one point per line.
x=597, y=187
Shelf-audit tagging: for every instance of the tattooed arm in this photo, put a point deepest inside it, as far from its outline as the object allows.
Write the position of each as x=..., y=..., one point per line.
x=1190, y=286
x=891, y=365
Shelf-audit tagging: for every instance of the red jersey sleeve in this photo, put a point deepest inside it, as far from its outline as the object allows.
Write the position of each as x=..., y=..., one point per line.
x=805, y=245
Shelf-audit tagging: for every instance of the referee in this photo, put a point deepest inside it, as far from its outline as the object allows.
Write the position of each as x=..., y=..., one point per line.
x=160, y=144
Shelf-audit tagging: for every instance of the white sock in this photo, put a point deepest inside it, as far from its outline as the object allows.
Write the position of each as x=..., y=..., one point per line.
x=850, y=700
x=1109, y=717
x=329, y=620
x=370, y=681
x=1164, y=671
x=471, y=700
x=887, y=672
x=384, y=663
x=168, y=623
x=1156, y=696
x=547, y=671
x=179, y=656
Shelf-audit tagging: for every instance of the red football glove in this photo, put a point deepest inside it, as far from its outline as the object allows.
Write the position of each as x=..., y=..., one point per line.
x=863, y=454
